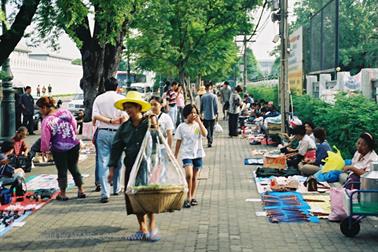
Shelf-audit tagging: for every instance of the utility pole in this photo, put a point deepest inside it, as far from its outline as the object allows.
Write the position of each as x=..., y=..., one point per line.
x=284, y=87
x=245, y=62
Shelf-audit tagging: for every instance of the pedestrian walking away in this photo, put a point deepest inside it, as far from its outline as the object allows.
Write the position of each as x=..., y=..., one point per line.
x=129, y=139
x=49, y=89
x=234, y=111
x=108, y=120
x=171, y=97
x=189, y=140
x=58, y=135
x=38, y=91
x=225, y=94
x=27, y=105
x=180, y=103
x=209, y=111
x=43, y=90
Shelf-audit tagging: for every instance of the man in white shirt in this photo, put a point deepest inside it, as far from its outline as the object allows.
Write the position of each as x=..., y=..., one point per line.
x=108, y=119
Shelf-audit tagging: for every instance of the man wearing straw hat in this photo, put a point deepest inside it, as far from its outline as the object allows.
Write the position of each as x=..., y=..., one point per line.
x=108, y=119
x=129, y=138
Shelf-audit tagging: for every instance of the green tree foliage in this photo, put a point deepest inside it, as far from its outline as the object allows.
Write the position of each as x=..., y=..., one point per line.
x=267, y=93
x=77, y=62
x=344, y=121
x=253, y=69
x=186, y=38
x=358, y=24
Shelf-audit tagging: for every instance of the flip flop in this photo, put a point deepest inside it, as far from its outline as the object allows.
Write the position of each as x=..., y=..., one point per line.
x=138, y=236
x=61, y=198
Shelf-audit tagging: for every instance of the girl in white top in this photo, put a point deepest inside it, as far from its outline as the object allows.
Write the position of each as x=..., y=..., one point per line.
x=189, y=139
x=165, y=121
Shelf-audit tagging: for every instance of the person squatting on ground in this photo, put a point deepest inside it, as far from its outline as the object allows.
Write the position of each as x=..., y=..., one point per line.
x=189, y=140
x=209, y=111
x=20, y=147
x=58, y=135
x=129, y=138
x=108, y=120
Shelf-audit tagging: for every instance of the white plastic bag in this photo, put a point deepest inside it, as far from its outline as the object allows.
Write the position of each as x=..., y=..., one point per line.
x=218, y=128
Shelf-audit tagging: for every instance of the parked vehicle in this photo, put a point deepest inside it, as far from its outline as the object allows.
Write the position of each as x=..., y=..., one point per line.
x=76, y=103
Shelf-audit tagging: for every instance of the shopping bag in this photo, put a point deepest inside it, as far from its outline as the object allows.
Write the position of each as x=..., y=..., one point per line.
x=218, y=128
x=157, y=182
x=338, y=211
x=334, y=161
x=88, y=131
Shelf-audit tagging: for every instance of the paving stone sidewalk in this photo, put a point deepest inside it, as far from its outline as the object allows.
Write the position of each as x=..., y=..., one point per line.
x=223, y=220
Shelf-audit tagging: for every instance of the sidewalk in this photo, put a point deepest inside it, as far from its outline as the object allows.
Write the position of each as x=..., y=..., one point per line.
x=223, y=220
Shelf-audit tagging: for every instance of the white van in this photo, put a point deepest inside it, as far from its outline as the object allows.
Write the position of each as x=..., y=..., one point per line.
x=144, y=88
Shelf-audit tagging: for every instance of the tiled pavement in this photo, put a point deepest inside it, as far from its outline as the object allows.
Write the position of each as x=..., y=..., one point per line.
x=223, y=221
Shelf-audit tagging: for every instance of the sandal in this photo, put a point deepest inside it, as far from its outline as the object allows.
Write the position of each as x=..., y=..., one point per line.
x=187, y=204
x=154, y=236
x=81, y=195
x=138, y=236
x=61, y=198
x=194, y=202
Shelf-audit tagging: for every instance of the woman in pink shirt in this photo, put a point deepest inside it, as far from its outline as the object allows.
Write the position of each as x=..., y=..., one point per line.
x=58, y=135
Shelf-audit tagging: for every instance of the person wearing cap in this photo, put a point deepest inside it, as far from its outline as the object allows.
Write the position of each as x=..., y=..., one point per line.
x=129, y=139
x=200, y=93
x=108, y=119
x=362, y=159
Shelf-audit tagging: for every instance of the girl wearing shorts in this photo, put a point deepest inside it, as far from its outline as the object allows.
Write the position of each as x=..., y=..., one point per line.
x=189, y=139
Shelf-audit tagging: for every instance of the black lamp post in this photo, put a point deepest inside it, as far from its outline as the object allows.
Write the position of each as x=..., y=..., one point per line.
x=8, y=112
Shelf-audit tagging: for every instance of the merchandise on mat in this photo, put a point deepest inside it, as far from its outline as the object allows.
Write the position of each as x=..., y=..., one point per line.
x=253, y=161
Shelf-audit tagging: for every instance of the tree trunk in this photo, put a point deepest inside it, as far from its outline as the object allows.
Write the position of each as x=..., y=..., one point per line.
x=10, y=38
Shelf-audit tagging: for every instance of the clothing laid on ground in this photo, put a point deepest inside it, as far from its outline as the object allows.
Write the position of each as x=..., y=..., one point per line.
x=58, y=130
x=268, y=172
x=191, y=140
x=128, y=139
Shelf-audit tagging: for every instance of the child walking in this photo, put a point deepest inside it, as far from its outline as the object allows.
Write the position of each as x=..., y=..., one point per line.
x=189, y=139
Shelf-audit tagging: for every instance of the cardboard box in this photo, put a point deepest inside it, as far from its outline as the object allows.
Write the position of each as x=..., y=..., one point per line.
x=277, y=162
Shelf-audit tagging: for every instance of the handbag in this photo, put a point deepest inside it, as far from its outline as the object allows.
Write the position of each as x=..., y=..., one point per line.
x=6, y=171
x=5, y=196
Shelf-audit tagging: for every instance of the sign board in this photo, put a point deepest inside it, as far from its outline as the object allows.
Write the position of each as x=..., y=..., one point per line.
x=295, y=61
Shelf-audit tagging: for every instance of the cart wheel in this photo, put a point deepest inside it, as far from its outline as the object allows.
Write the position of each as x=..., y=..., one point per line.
x=353, y=230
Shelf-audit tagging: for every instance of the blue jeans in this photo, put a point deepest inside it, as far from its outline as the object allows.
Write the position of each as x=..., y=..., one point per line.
x=173, y=114
x=104, y=144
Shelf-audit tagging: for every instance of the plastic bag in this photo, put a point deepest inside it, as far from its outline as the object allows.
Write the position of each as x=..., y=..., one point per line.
x=338, y=211
x=330, y=177
x=157, y=182
x=334, y=161
x=218, y=128
x=88, y=131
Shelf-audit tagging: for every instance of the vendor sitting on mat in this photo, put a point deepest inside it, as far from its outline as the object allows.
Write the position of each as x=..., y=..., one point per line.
x=362, y=159
x=309, y=167
x=306, y=148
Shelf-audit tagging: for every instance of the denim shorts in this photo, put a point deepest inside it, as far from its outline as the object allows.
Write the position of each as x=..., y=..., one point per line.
x=196, y=163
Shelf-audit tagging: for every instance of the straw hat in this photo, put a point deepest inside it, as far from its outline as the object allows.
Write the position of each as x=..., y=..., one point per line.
x=134, y=97
x=201, y=90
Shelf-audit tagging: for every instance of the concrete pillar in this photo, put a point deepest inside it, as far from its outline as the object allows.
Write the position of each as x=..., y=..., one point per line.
x=342, y=77
x=367, y=75
x=310, y=79
x=323, y=78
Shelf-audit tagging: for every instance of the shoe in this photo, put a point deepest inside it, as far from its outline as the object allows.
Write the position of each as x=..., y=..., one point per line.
x=81, y=195
x=187, y=204
x=104, y=200
x=97, y=188
x=138, y=236
x=154, y=236
x=209, y=145
x=115, y=194
x=61, y=198
x=194, y=202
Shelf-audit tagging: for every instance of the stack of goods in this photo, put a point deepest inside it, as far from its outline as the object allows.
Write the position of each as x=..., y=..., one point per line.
x=287, y=207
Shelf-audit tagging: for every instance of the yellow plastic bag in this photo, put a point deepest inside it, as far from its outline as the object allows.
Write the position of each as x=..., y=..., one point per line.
x=334, y=161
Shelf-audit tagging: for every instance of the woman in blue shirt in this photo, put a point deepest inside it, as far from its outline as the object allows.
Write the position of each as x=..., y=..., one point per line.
x=307, y=167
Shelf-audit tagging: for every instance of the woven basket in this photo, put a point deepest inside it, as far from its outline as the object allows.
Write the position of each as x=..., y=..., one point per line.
x=156, y=201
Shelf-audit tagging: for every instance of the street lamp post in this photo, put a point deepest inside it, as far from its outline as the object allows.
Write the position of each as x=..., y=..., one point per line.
x=8, y=118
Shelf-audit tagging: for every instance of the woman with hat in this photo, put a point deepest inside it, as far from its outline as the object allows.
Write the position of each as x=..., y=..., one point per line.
x=197, y=100
x=129, y=138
